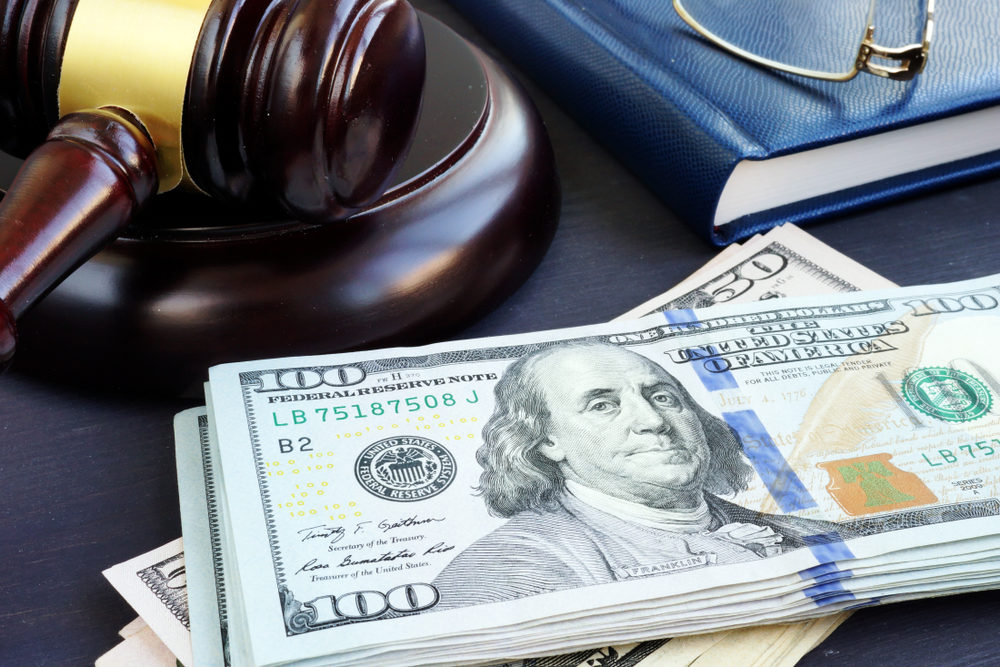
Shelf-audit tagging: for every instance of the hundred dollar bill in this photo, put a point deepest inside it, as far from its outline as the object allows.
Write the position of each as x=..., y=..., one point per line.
x=801, y=253
x=433, y=504
x=786, y=261
x=201, y=497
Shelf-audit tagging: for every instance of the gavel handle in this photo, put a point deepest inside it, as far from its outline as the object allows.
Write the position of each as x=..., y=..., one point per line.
x=73, y=195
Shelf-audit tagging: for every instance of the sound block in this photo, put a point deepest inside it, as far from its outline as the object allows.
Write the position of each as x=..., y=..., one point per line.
x=192, y=283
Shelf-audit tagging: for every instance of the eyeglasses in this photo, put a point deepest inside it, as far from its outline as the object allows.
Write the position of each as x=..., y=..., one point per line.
x=728, y=26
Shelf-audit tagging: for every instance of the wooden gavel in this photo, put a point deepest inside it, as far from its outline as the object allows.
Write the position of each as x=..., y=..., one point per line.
x=311, y=104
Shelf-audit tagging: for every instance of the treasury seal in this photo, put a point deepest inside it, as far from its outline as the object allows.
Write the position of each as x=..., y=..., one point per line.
x=405, y=469
x=947, y=394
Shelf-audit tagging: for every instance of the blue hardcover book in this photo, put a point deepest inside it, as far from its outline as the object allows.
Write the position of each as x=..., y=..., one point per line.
x=734, y=147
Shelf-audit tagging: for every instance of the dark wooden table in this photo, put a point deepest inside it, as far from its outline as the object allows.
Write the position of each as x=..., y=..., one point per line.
x=87, y=478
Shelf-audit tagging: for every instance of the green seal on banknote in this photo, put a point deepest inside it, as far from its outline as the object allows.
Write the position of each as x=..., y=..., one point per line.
x=947, y=394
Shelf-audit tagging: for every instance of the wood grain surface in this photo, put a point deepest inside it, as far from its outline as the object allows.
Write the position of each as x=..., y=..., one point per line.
x=87, y=478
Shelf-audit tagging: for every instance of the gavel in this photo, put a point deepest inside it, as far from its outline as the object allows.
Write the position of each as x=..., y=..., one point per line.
x=309, y=104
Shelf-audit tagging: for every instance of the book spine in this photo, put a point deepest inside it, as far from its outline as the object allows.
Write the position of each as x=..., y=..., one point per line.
x=676, y=142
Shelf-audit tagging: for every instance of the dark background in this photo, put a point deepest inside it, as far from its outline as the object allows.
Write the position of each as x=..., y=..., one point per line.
x=87, y=478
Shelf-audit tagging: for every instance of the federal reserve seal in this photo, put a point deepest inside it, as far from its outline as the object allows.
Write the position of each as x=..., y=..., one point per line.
x=405, y=469
x=947, y=394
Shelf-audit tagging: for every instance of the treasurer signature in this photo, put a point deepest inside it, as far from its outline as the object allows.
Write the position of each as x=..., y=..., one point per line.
x=385, y=557
x=312, y=566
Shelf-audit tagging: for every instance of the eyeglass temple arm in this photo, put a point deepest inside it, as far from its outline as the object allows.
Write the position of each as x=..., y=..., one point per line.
x=911, y=58
x=760, y=60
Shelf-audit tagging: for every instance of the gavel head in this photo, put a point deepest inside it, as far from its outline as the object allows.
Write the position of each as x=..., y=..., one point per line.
x=310, y=103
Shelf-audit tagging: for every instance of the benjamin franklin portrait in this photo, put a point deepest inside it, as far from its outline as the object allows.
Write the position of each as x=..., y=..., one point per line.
x=607, y=470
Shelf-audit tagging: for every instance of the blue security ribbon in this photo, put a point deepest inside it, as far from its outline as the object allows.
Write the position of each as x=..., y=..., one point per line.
x=828, y=548
x=713, y=380
x=782, y=482
x=828, y=593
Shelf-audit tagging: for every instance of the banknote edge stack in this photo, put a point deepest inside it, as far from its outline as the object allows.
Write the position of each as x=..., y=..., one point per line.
x=863, y=278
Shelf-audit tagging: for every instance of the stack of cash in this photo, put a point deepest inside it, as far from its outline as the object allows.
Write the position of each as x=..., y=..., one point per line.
x=714, y=465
